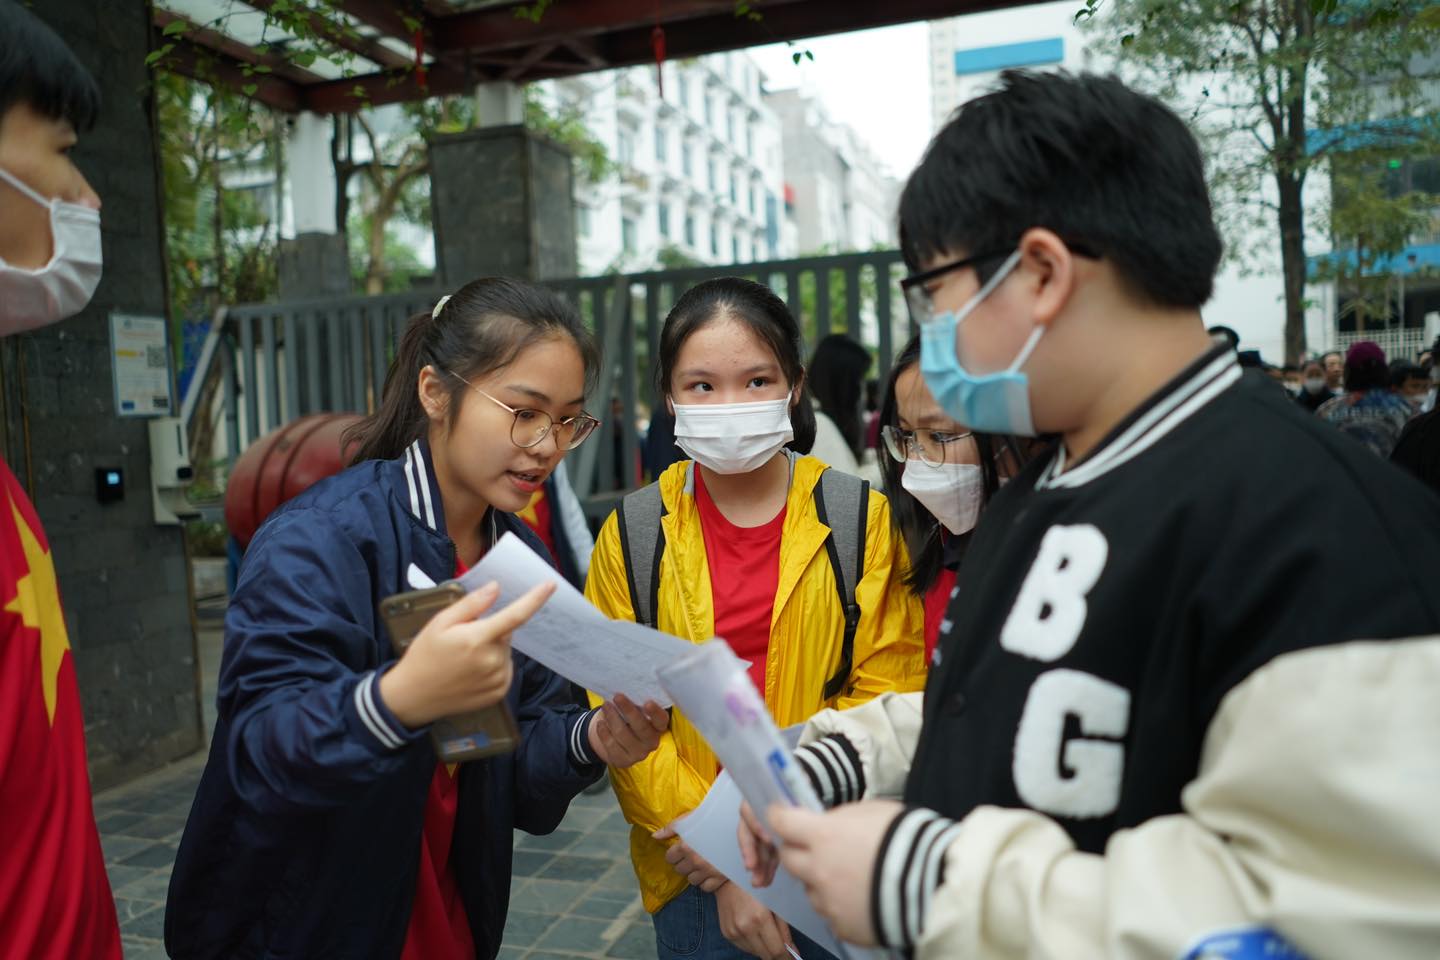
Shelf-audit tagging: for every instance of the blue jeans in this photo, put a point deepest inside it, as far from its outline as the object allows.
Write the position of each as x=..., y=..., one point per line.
x=688, y=928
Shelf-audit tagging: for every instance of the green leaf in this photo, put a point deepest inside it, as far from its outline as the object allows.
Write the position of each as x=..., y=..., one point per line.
x=156, y=55
x=809, y=56
x=249, y=89
x=1127, y=40
x=795, y=58
x=175, y=28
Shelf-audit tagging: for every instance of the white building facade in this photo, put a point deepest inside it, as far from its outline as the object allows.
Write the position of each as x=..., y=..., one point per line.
x=838, y=196
x=699, y=170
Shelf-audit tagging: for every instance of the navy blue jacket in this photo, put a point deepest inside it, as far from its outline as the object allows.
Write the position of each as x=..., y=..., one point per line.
x=304, y=839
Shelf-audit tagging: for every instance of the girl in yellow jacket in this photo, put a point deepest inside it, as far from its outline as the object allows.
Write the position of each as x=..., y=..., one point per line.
x=745, y=558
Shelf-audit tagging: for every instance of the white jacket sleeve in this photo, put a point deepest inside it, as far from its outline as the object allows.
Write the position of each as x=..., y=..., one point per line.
x=863, y=752
x=1308, y=832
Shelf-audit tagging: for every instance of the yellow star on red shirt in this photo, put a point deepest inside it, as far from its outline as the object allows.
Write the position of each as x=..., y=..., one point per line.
x=37, y=601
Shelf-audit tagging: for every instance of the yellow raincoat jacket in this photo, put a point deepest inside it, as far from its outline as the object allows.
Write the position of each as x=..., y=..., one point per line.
x=806, y=630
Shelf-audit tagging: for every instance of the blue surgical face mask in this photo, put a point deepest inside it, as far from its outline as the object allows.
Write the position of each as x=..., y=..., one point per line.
x=992, y=403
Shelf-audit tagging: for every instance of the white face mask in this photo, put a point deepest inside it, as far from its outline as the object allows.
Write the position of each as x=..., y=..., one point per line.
x=35, y=298
x=952, y=492
x=1314, y=384
x=733, y=437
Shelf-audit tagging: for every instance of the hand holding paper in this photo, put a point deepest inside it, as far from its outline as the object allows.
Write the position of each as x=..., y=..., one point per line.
x=570, y=636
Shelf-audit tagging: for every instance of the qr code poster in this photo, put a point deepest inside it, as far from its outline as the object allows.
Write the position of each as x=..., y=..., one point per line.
x=140, y=358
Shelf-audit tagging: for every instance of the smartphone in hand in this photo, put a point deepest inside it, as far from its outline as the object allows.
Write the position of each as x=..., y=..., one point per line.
x=468, y=736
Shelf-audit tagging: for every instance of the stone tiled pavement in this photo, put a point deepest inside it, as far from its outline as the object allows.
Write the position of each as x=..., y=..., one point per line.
x=573, y=894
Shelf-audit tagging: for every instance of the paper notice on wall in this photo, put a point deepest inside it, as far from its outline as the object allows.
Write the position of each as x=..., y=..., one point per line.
x=140, y=364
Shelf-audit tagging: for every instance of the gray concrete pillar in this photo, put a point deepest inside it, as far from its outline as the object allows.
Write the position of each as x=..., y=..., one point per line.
x=502, y=203
x=313, y=259
x=124, y=581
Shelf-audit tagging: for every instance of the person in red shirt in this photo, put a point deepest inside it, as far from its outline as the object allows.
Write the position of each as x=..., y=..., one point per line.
x=747, y=546
x=55, y=899
x=938, y=475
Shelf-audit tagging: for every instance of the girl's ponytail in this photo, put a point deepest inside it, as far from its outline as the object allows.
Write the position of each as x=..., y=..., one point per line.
x=399, y=418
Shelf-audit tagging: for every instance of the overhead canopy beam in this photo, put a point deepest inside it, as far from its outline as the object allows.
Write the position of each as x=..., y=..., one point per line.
x=209, y=66
x=497, y=28
x=349, y=94
x=785, y=21
x=241, y=53
x=382, y=15
x=346, y=38
x=491, y=42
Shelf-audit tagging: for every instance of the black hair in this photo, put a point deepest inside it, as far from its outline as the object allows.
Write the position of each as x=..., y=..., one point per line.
x=483, y=327
x=916, y=525
x=38, y=69
x=1402, y=370
x=1083, y=156
x=1367, y=373
x=1228, y=333
x=837, y=380
x=1313, y=362
x=756, y=306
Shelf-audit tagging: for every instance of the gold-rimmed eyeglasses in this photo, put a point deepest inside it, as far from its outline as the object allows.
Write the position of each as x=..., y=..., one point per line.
x=532, y=426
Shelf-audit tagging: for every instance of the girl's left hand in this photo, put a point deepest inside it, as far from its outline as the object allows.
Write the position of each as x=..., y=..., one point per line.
x=689, y=864
x=623, y=734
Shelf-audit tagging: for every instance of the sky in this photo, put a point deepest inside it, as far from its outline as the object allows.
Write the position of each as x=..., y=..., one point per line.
x=875, y=81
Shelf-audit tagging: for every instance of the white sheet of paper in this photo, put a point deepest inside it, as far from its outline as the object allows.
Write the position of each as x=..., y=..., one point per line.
x=570, y=636
x=710, y=831
x=713, y=687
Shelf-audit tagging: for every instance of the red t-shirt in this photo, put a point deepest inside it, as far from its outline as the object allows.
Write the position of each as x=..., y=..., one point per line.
x=439, y=928
x=537, y=517
x=937, y=600
x=744, y=575
x=55, y=901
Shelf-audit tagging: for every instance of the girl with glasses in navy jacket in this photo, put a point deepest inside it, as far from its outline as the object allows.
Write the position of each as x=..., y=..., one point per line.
x=324, y=824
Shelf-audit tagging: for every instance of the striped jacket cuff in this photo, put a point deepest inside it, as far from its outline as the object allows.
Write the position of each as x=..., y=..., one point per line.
x=834, y=768
x=910, y=867
x=376, y=717
x=580, y=739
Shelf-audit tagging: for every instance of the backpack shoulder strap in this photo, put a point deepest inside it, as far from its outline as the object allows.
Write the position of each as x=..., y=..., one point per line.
x=842, y=503
x=638, y=519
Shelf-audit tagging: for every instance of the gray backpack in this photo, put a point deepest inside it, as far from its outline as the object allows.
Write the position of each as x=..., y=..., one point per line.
x=845, y=497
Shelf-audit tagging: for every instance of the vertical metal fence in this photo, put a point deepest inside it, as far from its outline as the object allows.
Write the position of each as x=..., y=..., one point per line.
x=279, y=361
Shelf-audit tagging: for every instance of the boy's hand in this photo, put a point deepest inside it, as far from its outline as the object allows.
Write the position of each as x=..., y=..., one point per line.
x=833, y=854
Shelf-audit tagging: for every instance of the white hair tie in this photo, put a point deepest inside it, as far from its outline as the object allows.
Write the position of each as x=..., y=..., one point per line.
x=435, y=314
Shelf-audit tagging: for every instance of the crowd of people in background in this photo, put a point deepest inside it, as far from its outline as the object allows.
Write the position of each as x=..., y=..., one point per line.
x=1387, y=404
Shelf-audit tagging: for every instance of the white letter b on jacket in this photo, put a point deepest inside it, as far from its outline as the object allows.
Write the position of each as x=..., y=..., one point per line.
x=1049, y=613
